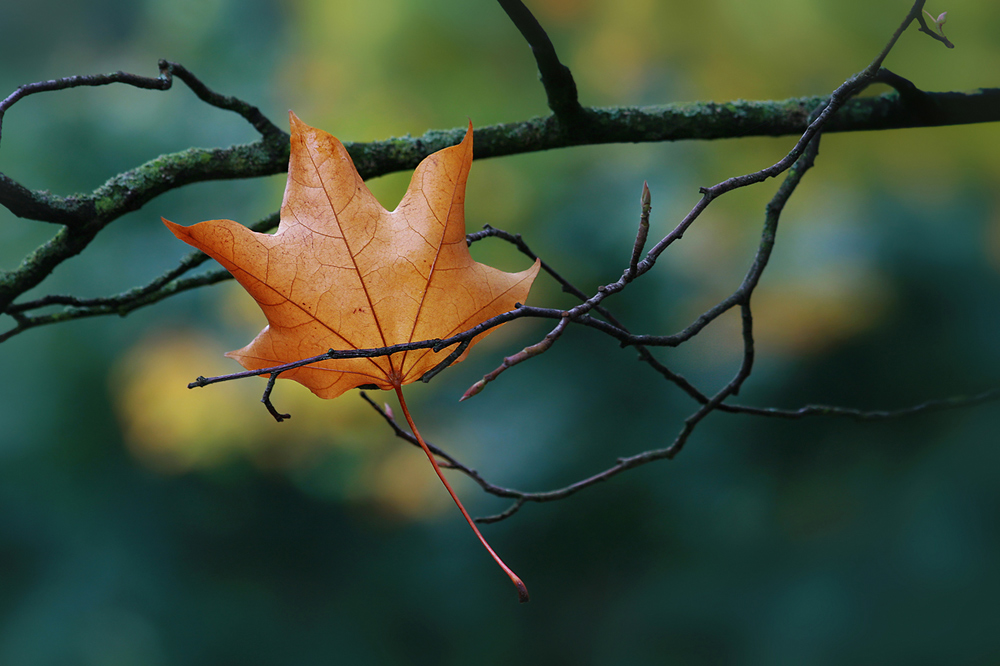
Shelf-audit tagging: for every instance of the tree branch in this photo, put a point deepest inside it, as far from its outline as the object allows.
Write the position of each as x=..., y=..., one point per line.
x=800, y=159
x=521, y=497
x=560, y=88
x=671, y=122
x=164, y=286
x=84, y=216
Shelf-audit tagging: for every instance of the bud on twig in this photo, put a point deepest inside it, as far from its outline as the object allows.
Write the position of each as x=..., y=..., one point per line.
x=640, y=236
x=937, y=31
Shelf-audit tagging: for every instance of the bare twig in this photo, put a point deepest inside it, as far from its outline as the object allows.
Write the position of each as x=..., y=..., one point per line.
x=84, y=216
x=938, y=22
x=528, y=352
x=732, y=388
x=266, y=399
x=162, y=82
x=626, y=463
x=451, y=358
x=802, y=157
x=130, y=190
x=560, y=88
x=611, y=326
x=933, y=405
x=167, y=284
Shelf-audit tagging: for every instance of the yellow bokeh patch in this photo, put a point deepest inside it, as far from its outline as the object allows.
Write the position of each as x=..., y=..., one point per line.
x=173, y=429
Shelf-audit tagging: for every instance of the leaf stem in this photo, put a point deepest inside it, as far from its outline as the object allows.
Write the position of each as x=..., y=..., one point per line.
x=522, y=591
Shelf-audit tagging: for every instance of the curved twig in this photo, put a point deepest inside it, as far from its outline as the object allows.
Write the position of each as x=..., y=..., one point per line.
x=84, y=216
x=800, y=159
x=560, y=88
x=162, y=82
x=626, y=463
x=164, y=286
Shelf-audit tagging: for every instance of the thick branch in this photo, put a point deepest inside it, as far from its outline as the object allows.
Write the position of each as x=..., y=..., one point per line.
x=88, y=214
x=84, y=216
x=677, y=122
x=671, y=122
x=78, y=210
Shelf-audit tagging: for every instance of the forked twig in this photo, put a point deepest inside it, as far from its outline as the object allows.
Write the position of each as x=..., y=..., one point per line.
x=82, y=221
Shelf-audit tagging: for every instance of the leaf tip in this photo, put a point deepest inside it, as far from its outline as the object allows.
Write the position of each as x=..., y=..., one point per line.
x=175, y=229
x=295, y=123
x=467, y=139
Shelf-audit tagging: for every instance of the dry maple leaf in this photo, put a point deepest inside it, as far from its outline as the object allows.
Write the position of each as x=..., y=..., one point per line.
x=341, y=272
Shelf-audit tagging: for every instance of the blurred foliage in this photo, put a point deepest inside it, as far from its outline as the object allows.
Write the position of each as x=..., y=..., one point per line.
x=142, y=523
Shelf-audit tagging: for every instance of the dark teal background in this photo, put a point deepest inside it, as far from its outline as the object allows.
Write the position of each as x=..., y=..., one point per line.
x=823, y=541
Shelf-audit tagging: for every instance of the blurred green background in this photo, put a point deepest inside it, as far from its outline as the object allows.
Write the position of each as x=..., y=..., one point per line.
x=141, y=523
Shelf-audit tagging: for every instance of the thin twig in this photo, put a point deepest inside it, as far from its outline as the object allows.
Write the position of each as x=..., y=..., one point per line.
x=528, y=352
x=266, y=399
x=626, y=463
x=933, y=405
x=804, y=157
x=167, y=284
x=162, y=82
x=936, y=34
x=612, y=326
x=451, y=358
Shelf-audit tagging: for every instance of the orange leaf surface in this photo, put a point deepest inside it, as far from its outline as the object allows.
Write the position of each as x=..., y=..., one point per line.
x=342, y=272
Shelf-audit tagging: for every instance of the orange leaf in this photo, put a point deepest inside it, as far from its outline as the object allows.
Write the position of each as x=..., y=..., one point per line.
x=341, y=272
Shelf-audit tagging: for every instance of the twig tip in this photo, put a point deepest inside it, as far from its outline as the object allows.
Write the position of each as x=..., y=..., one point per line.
x=472, y=390
x=522, y=590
